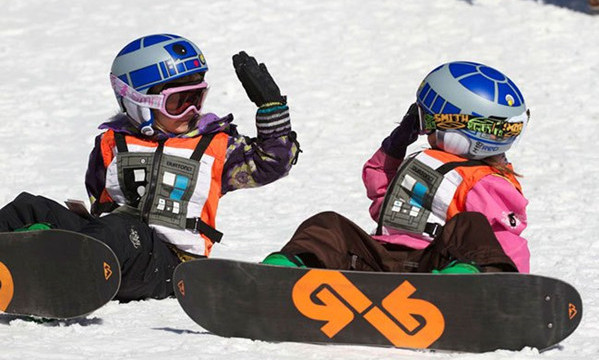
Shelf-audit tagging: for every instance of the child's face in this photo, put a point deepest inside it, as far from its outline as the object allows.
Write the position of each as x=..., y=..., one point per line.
x=178, y=126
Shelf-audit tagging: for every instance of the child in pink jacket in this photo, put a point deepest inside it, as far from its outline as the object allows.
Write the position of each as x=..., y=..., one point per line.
x=454, y=208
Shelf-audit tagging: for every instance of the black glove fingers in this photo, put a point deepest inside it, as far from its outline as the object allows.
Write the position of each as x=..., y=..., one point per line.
x=239, y=59
x=256, y=80
x=242, y=59
x=265, y=73
x=411, y=119
x=251, y=61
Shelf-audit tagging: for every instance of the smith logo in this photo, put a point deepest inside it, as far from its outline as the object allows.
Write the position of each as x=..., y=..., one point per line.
x=7, y=287
x=339, y=299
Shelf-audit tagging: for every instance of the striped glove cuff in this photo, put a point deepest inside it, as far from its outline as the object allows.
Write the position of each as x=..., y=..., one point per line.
x=272, y=120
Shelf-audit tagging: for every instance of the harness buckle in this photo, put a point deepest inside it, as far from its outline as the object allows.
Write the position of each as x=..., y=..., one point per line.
x=196, y=225
x=433, y=229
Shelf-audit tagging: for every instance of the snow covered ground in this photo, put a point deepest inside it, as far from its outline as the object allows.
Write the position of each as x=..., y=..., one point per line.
x=350, y=69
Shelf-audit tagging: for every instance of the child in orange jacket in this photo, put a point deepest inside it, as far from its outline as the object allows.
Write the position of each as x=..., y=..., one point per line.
x=157, y=172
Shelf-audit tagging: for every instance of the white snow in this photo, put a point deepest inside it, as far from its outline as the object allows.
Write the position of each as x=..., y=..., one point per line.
x=350, y=69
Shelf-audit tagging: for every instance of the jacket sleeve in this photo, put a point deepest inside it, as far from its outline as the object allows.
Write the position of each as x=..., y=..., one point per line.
x=505, y=208
x=95, y=176
x=377, y=173
x=253, y=162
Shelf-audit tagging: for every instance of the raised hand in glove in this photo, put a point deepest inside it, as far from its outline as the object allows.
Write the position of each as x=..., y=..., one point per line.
x=257, y=82
x=396, y=144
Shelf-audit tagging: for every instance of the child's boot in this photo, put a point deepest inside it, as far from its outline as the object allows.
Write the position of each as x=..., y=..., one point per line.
x=456, y=267
x=35, y=227
x=282, y=259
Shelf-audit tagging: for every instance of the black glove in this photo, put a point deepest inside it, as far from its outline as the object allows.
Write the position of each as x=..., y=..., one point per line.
x=405, y=134
x=257, y=82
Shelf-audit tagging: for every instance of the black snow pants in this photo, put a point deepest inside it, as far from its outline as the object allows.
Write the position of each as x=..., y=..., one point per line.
x=329, y=240
x=147, y=263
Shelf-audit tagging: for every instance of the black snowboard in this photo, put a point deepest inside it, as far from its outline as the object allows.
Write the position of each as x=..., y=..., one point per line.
x=470, y=313
x=55, y=274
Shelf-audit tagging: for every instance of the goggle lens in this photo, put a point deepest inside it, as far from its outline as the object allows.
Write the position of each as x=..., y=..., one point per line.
x=177, y=102
x=497, y=128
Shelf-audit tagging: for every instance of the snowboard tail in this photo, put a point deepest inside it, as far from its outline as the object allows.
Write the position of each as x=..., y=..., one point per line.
x=55, y=274
x=471, y=313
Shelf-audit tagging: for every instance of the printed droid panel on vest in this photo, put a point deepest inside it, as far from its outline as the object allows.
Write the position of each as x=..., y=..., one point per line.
x=409, y=199
x=169, y=193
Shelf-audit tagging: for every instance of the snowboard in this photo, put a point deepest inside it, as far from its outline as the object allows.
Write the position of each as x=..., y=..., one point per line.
x=454, y=312
x=55, y=274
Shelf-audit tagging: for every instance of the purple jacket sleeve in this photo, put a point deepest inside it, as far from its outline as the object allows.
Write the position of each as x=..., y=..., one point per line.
x=95, y=177
x=253, y=162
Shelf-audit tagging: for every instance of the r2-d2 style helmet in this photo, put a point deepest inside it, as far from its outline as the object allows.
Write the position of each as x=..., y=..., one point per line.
x=149, y=61
x=474, y=110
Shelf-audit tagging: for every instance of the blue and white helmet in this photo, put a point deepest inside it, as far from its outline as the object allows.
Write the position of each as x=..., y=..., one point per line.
x=493, y=112
x=153, y=60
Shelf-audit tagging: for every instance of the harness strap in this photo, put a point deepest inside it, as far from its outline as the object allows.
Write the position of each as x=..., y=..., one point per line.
x=199, y=226
x=202, y=146
x=445, y=168
x=121, y=143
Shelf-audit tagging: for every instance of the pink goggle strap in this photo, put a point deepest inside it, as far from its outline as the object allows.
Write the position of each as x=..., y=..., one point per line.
x=124, y=90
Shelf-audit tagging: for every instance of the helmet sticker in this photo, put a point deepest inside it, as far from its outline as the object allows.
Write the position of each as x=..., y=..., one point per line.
x=157, y=59
x=509, y=99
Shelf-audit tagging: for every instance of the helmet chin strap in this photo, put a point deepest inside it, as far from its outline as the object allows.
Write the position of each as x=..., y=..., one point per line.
x=141, y=115
x=146, y=126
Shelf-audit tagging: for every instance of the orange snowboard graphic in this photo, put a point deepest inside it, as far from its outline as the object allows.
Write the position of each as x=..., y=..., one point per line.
x=393, y=318
x=6, y=287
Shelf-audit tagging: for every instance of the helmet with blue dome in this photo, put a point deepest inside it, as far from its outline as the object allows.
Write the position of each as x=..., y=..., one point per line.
x=148, y=61
x=474, y=110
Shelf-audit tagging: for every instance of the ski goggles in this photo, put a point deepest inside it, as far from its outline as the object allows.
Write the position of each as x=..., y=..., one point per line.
x=174, y=102
x=497, y=128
